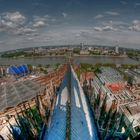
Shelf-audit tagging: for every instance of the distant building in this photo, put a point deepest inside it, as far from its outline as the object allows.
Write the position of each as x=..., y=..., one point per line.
x=105, y=52
x=116, y=49
x=3, y=71
x=89, y=48
x=132, y=113
x=84, y=52
x=110, y=82
x=134, y=76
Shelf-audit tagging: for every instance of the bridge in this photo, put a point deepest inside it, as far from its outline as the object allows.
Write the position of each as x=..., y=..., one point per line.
x=71, y=117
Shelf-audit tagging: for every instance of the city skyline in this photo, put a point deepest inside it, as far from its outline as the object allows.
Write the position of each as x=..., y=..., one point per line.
x=38, y=22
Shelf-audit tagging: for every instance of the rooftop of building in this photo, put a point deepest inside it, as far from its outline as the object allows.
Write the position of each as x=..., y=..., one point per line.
x=132, y=111
x=109, y=75
x=15, y=93
x=110, y=81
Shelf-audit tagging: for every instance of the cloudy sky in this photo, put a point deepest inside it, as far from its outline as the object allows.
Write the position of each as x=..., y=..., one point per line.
x=30, y=23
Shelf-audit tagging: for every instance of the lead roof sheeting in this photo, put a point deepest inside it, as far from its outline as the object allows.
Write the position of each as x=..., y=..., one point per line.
x=82, y=124
x=57, y=128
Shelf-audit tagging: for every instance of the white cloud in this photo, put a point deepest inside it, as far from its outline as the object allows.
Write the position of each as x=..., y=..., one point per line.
x=10, y=22
x=99, y=16
x=17, y=24
x=109, y=28
x=4, y=25
x=45, y=18
x=25, y=31
x=123, y=2
x=135, y=22
x=1, y=42
x=28, y=30
x=135, y=25
x=39, y=24
x=105, y=28
x=74, y=35
x=105, y=14
x=98, y=29
x=42, y=21
x=137, y=4
x=83, y=34
x=30, y=38
x=64, y=15
x=119, y=25
x=41, y=18
x=111, y=13
x=15, y=17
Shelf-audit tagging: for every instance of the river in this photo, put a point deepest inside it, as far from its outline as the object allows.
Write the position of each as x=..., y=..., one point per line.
x=77, y=60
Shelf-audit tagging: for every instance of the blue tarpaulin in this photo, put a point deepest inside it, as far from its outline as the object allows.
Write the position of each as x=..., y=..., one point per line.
x=17, y=70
